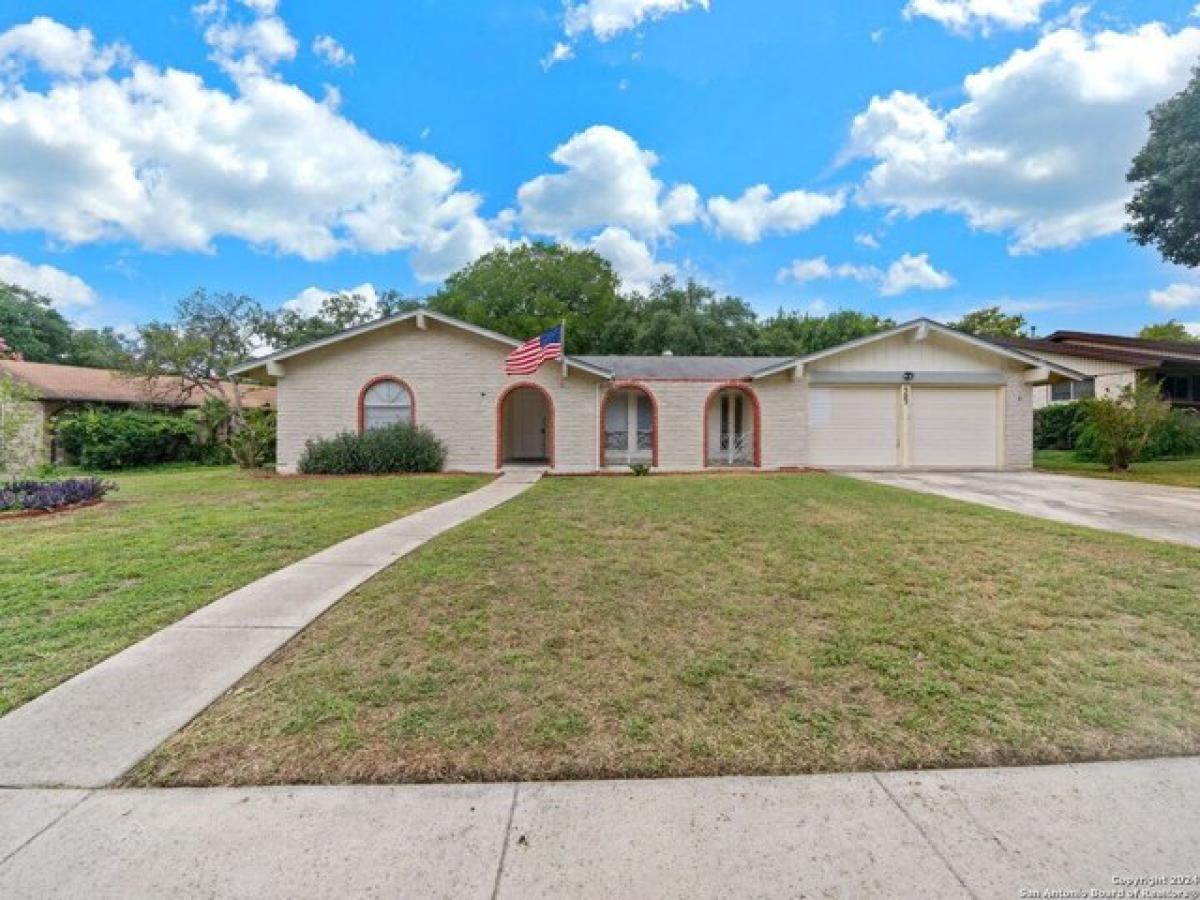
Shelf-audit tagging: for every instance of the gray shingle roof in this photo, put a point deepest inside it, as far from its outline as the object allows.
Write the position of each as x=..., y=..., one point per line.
x=715, y=368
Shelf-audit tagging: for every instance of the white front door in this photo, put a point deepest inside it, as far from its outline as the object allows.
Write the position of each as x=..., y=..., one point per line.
x=529, y=420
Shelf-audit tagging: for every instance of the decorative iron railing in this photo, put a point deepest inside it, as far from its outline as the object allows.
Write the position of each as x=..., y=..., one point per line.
x=733, y=450
x=617, y=449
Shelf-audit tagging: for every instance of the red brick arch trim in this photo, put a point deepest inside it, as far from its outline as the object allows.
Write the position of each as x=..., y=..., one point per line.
x=754, y=404
x=630, y=386
x=362, y=397
x=500, y=420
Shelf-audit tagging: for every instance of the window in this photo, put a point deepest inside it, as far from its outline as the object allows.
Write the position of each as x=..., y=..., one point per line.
x=1176, y=387
x=386, y=402
x=1065, y=391
x=628, y=428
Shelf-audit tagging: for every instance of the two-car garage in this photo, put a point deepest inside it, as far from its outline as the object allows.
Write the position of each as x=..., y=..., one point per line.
x=905, y=425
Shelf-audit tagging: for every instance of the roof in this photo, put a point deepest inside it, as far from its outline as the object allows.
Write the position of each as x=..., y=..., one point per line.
x=83, y=385
x=705, y=368
x=930, y=325
x=253, y=365
x=1138, y=353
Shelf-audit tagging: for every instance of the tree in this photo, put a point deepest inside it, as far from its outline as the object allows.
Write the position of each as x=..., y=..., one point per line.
x=521, y=291
x=791, y=334
x=1165, y=209
x=193, y=355
x=687, y=320
x=1171, y=330
x=1123, y=427
x=99, y=348
x=993, y=323
x=16, y=416
x=31, y=326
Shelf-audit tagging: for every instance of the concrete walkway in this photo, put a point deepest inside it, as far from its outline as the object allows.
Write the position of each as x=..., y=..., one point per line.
x=966, y=833
x=1145, y=510
x=92, y=729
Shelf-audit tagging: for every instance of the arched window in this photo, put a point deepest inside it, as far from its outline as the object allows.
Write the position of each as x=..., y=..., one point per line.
x=385, y=401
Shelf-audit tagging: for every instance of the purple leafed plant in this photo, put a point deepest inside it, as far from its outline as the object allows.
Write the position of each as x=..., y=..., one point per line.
x=49, y=495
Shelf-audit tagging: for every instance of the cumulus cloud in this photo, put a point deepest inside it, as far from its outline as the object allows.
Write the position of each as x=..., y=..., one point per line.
x=964, y=16
x=61, y=287
x=608, y=18
x=758, y=212
x=95, y=151
x=308, y=301
x=332, y=52
x=1177, y=296
x=913, y=273
x=909, y=273
x=1040, y=147
x=247, y=40
x=632, y=259
x=609, y=180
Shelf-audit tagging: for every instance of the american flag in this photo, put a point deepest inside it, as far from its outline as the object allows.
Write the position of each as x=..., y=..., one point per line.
x=526, y=359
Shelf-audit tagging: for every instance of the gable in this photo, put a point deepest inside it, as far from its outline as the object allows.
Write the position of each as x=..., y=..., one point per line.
x=902, y=352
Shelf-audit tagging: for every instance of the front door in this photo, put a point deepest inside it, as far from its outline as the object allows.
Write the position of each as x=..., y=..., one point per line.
x=529, y=423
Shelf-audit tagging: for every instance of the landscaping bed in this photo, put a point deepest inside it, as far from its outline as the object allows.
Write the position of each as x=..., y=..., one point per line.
x=610, y=628
x=76, y=589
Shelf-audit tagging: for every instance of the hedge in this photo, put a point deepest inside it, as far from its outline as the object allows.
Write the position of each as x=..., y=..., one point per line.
x=378, y=451
x=118, y=439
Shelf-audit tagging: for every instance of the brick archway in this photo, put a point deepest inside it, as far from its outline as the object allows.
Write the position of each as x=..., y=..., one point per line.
x=504, y=395
x=756, y=408
x=649, y=395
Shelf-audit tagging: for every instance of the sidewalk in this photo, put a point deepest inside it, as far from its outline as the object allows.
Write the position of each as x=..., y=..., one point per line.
x=965, y=833
x=93, y=728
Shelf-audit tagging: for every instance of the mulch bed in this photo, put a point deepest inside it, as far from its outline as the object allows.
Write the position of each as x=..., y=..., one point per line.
x=37, y=513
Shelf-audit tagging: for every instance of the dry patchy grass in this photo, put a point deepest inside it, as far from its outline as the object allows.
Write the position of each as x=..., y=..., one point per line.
x=702, y=626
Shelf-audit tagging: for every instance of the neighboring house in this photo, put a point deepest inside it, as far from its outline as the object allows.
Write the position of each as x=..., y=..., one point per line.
x=1112, y=362
x=71, y=387
x=919, y=395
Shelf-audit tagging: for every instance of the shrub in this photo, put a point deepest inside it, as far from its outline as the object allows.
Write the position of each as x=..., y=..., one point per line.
x=1178, y=436
x=639, y=469
x=1118, y=431
x=253, y=446
x=395, y=448
x=48, y=495
x=118, y=439
x=1055, y=427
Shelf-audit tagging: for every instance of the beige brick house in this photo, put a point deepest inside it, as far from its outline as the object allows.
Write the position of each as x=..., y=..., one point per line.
x=919, y=396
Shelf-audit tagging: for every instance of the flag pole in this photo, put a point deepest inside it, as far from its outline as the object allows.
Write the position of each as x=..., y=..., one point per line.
x=563, y=337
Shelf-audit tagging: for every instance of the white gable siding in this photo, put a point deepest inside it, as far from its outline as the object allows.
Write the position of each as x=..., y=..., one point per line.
x=901, y=353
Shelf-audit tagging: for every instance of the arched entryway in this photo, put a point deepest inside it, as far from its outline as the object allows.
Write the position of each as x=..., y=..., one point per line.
x=732, y=427
x=525, y=426
x=629, y=427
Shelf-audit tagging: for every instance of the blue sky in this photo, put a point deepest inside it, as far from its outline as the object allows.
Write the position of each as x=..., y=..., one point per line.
x=899, y=156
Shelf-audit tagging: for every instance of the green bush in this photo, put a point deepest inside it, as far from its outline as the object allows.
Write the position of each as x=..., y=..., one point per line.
x=1119, y=431
x=1177, y=435
x=119, y=439
x=1055, y=427
x=379, y=451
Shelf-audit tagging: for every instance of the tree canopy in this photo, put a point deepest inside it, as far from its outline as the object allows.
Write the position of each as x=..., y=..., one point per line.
x=1165, y=209
x=992, y=322
x=1171, y=330
x=34, y=329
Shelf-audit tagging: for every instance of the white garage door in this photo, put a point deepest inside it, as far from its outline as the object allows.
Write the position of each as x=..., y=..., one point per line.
x=853, y=426
x=953, y=427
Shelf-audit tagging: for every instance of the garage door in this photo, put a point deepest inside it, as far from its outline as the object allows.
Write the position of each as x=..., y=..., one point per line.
x=853, y=426
x=953, y=427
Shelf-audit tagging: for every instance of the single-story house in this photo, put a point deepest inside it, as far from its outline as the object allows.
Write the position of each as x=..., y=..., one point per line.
x=58, y=388
x=919, y=395
x=1111, y=362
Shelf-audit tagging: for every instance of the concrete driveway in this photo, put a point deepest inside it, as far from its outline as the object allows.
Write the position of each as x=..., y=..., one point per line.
x=1146, y=510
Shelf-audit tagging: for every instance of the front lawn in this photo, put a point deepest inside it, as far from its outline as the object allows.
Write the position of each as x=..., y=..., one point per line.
x=675, y=626
x=79, y=586
x=1173, y=472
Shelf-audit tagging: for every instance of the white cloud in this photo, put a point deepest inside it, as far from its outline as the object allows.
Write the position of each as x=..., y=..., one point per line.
x=608, y=181
x=1177, y=296
x=55, y=49
x=867, y=240
x=561, y=52
x=818, y=269
x=332, y=52
x=632, y=259
x=964, y=16
x=757, y=212
x=908, y=273
x=608, y=18
x=913, y=273
x=308, y=301
x=1040, y=147
x=158, y=157
x=242, y=45
x=61, y=287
